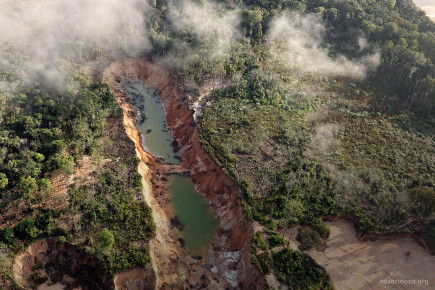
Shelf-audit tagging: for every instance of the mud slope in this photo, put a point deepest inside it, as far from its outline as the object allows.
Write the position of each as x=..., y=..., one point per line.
x=229, y=258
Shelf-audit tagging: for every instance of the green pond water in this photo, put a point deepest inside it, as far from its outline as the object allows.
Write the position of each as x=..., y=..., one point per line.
x=194, y=212
x=190, y=207
x=152, y=122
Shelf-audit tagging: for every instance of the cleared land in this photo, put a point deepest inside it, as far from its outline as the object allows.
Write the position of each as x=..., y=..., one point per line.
x=362, y=265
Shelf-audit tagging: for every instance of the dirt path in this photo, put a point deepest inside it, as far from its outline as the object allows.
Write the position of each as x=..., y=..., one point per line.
x=365, y=265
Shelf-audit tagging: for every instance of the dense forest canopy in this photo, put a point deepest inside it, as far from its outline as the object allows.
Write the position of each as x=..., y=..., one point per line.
x=347, y=31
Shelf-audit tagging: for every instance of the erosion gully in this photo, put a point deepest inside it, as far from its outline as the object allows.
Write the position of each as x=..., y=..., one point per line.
x=194, y=218
x=180, y=259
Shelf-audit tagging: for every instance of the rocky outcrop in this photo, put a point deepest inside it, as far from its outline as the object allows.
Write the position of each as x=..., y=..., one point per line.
x=229, y=257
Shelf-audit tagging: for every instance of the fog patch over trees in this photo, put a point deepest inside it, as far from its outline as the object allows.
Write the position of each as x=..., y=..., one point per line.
x=208, y=22
x=197, y=32
x=297, y=40
x=78, y=31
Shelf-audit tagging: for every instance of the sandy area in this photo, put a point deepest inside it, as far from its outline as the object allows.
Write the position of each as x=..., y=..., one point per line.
x=365, y=265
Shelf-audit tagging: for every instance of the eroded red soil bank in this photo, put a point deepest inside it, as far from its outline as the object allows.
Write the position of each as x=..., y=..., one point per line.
x=229, y=258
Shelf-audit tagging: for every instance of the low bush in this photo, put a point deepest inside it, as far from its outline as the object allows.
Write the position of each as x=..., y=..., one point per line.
x=308, y=239
x=299, y=271
x=276, y=240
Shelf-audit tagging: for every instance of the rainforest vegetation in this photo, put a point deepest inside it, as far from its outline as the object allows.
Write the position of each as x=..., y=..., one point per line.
x=300, y=139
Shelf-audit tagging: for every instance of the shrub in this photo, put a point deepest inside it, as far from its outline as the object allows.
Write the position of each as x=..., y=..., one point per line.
x=63, y=163
x=3, y=181
x=258, y=241
x=424, y=198
x=138, y=180
x=299, y=271
x=106, y=239
x=322, y=228
x=7, y=235
x=276, y=240
x=26, y=230
x=262, y=262
x=44, y=183
x=39, y=157
x=62, y=240
x=28, y=186
x=270, y=224
x=307, y=239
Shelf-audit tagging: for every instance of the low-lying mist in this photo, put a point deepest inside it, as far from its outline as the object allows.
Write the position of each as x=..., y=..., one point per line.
x=296, y=40
x=200, y=31
x=44, y=32
x=45, y=36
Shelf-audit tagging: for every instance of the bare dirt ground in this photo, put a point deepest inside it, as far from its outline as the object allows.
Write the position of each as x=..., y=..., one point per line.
x=26, y=268
x=195, y=103
x=365, y=265
x=84, y=173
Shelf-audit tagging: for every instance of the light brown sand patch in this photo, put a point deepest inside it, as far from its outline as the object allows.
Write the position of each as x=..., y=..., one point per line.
x=365, y=265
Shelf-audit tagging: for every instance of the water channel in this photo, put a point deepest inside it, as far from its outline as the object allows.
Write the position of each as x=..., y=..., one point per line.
x=191, y=208
x=156, y=137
